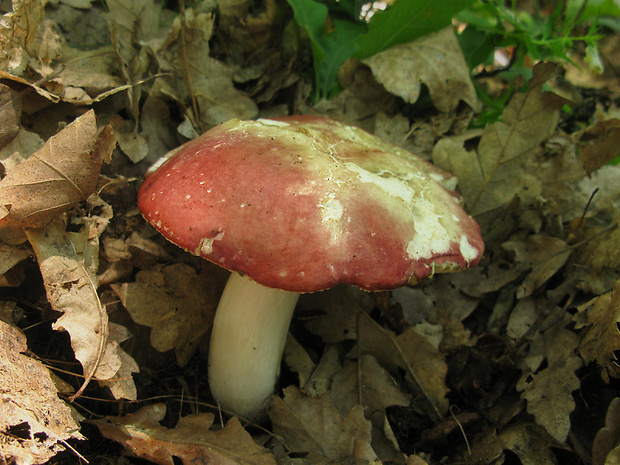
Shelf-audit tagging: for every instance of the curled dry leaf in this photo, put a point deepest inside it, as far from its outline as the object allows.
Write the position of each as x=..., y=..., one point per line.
x=191, y=441
x=54, y=179
x=29, y=399
x=68, y=263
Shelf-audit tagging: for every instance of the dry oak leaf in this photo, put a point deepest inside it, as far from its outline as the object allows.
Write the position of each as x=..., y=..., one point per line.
x=18, y=34
x=602, y=338
x=598, y=252
x=542, y=256
x=10, y=114
x=599, y=143
x=175, y=304
x=29, y=400
x=207, y=82
x=315, y=426
x=499, y=169
x=607, y=439
x=528, y=441
x=61, y=174
x=191, y=441
x=378, y=391
x=68, y=264
x=436, y=60
x=424, y=366
x=548, y=391
x=10, y=256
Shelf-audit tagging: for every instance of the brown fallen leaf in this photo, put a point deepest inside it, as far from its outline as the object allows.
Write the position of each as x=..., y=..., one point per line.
x=175, y=304
x=315, y=426
x=436, y=60
x=29, y=401
x=602, y=338
x=542, y=256
x=599, y=143
x=18, y=35
x=10, y=256
x=528, y=441
x=377, y=392
x=548, y=391
x=607, y=439
x=598, y=253
x=497, y=171
x=424, y=366
x=337, y=319
x=10, y=114
x=68, y=264
x=192, y=440
x=54, y=179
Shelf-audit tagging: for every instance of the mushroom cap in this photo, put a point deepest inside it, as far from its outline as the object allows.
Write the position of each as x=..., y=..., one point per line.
x=303, y=203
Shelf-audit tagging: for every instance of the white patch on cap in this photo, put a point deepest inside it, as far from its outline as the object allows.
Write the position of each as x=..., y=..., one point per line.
x=425, y=244
x=468, y=251
x=205, y=247
x=331, y=214
x=391, y=186
x=430, y=236
x=331, y=210
x=260, y=122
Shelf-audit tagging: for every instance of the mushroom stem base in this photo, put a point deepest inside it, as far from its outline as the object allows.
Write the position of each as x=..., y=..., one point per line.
x=247, y=341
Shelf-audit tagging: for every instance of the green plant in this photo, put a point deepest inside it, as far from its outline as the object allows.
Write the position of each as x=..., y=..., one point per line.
x=336, y=32
x=545, y=35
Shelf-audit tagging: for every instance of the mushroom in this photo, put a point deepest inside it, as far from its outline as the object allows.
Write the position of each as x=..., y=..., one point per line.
x=299, y=204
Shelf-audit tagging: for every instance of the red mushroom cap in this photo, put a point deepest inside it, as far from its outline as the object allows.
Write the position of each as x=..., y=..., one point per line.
x=303, y=203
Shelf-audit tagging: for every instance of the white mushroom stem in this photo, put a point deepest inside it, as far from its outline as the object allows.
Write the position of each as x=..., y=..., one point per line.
x=247, y=341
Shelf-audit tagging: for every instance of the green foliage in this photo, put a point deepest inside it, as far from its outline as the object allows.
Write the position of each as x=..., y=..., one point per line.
x=336, y=34
x=332, y=42
x=405, y=21
x=535, y=37
x=543, y=36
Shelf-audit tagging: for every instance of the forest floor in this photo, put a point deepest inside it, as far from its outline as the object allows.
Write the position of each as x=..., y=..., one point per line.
x=104, y=325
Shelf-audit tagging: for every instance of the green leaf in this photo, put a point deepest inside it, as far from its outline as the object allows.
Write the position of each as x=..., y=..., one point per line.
x=478, y=47
x=339, y=45
x=332, y=39
x=405, y=21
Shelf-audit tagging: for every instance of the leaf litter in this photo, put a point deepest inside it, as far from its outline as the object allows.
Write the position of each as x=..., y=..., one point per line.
x=518, y=354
